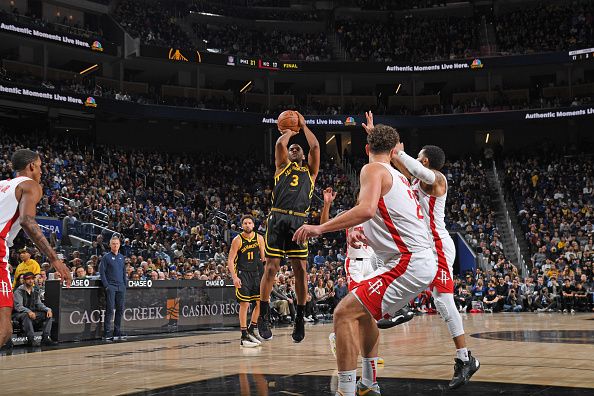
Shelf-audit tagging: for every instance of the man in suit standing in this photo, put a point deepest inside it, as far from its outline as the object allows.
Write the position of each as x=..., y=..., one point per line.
x=113, y=277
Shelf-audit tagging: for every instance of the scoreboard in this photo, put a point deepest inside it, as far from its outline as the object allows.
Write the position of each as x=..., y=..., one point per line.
x=256, y=63
x=582, y=54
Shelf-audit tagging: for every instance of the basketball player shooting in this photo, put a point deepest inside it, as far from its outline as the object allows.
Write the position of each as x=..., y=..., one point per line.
x=431, y=189
x=18, y=207
x=291, y=198
x=394, y=228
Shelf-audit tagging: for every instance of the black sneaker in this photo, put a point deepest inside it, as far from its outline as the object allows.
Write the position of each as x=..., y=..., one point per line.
x=463, y=371
x=264, y=326
x=401, y=316
x=48, y=342
x=299, y=330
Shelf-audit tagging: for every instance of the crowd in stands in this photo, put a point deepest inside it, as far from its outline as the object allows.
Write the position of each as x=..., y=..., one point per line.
x=57, y=24
x=175, y=215
x=267, y=44
x=386, y=5
x=154, y=22
x=277, y=14
x=554, y=26
x=177, y=218
x=553, y=197
x=413, y=38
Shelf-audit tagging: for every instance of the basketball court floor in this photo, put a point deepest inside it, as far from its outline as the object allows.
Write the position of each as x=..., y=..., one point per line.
x=527, y=354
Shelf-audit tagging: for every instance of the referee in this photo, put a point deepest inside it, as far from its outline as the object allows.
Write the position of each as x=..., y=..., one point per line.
x=113, y=277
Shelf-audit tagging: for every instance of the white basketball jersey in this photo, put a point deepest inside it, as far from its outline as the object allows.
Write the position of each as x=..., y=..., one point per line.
x=397, y=226
x=364, y=252
x=10, y=224
x=433, y=211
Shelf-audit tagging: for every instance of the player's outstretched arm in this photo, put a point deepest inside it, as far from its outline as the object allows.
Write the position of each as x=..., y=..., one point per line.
x=329, y=197
x=372, y=177
x=414, y=167
x=313, y=158
x=281, y=151
x=31, y=193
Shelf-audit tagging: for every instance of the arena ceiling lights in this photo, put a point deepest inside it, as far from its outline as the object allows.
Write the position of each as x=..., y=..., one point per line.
x=89, y=69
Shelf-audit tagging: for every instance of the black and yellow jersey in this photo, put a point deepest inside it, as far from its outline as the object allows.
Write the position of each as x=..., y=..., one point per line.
x=293, y=188
x=248, y=255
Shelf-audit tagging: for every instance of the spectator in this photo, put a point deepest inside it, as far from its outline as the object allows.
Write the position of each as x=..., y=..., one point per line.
x=492, y=301
x=319, y=259
x=31, y=312
x=340, y=290
x=513, y=303
x=80, y=273
x=27, y=265
x=567, y=296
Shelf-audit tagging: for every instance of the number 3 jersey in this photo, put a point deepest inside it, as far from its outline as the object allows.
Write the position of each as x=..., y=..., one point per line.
x=398, y=226
x=293, y=188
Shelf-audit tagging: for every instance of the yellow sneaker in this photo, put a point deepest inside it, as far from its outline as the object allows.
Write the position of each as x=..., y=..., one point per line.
x=380, y=360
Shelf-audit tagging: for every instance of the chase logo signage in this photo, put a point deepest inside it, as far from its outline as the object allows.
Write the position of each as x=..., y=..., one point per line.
x=140, y=283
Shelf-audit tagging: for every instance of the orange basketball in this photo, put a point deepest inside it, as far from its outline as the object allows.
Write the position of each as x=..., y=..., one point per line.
x=288, y=120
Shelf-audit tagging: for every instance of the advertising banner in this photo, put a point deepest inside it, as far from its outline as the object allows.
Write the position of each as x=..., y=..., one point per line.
x=150, y=307
x=24, y=29
x=49, y=225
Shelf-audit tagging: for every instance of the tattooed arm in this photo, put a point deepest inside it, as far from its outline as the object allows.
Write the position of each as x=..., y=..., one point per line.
x=30, y=193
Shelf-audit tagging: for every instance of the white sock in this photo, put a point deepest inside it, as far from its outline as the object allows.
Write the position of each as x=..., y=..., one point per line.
x=369, y=366
x=347, y=383
x=462, y=354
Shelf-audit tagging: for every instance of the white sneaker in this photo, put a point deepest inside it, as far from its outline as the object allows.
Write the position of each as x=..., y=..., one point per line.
x=253, y=338
x=573, y=311
x=332, y=339
x=256, y=334
x=308, y=319
x=248, y=343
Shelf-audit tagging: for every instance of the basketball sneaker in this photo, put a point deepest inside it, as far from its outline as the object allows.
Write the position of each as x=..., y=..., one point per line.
x=401, y=316
x=264, y=326
x=463, y=371
x=380, y=360
x=247, y=342
x=373, y=390
x=253, y=331
x=332, y=339
x=298, y=330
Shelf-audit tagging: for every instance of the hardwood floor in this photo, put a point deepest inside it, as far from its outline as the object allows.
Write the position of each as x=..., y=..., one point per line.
x=535, y=349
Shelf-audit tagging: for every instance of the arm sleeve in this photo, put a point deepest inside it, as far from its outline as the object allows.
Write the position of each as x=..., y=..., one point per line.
x=416, y=168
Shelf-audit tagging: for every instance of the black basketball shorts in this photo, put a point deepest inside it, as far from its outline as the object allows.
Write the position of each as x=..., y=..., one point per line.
x=250, y=286
x=279, y=236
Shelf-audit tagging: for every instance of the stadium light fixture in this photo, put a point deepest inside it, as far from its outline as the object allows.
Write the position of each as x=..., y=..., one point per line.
x=89, y=69
x=245, y=87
